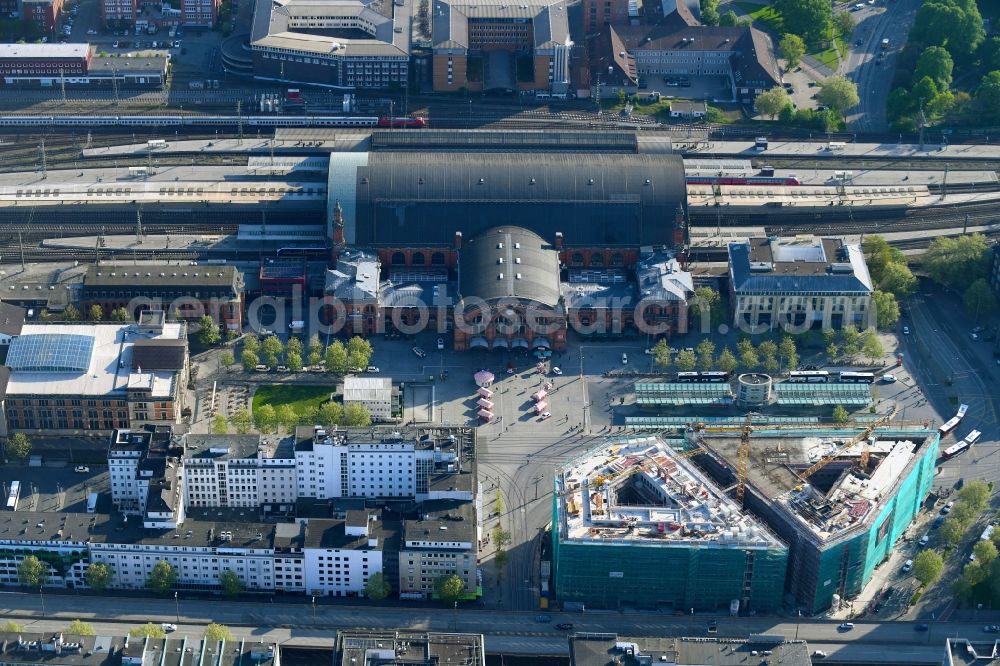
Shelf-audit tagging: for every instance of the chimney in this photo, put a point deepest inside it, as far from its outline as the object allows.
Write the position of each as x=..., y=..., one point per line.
x=458, y=240
x=559, y=240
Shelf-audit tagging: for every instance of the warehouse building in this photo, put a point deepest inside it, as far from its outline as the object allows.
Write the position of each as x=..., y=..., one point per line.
x=845, y=518
x=628, y=513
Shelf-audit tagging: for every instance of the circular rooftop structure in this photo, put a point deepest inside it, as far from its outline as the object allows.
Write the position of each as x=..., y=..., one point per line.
x=753, y=389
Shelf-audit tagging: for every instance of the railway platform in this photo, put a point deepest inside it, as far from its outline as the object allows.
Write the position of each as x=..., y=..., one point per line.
x=822, y=150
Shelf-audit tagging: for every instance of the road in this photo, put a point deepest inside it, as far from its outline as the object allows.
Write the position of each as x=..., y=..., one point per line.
x=891, y=21
x=283, y=622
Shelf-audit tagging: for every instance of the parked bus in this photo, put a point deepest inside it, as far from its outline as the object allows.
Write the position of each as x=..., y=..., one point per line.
x=953, y=422
x=686, y=377
x=987, y=533
x=92, y=503
x=14, y=495
x=858, y=377
x=809, y=376
x=961, y=446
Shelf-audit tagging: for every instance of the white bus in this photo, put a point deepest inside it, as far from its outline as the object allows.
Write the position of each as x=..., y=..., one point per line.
x=961, y=446
x=858, y=377
x=14, y=495
x=809, y=376
x=138, y=171
x=154, y=144
x=92, y=503
x=953, y=422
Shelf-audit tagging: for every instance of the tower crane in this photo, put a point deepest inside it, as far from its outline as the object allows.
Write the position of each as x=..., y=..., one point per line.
x=862, y=437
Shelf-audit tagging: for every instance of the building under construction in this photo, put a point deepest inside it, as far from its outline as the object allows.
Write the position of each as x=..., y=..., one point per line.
x=839, y=499
x=635, y=524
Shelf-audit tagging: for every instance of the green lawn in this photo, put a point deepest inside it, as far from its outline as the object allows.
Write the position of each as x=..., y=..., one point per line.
x=829, y=56
x=303, y=399
x=765, y=15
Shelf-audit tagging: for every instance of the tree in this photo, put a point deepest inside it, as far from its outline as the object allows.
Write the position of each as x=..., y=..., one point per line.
x=729, y=19
x=985, y=552
x=359, y=352
x=271, y=346
x=500, y=537
x=226, y=358
x=32, y=572
x=287, y=417
x=710, y=12
x=294, y=346
x=951, y=532
x=98, y=576
x=850, y=339
x=749, y=358
x=941, y=104
x=956, y=262
x=769, y=355
x=377, y=587
x=249, y=359
x=840, y=415
x=336, y=358
x=771, y=364
x=217, y=632
x=685, y=361
x=79, y=628
x=957, y=26
x=727, y=361
x=662, y=354
x=219, y=425
x=838, y=93
x=973, y=574
x=809, y=19
x=936, y=63
x=898, y=279
x=241, y=421
x=706, y=354
x=208, y=331
x=293, y=361
x=71, y=313
x=330, y=414
x=357, y=415
x=708, y=304
x=148, y=630
x=927, y=566
x=252, y=343
x=886, y=309
x=17, y=446
x=843, y=23
x=498, y=505
x=771, y=102
x=792, y=49
x=979, y=299
x=162, y=578
x=315, y=350
x=923, y=90
x=449, y=589
x=120, y=314
x=11, y=627
x=265, y=418
x=788, y=352
x=95, y=312
x=871, y=345
x=230, y=584
x=976, y=494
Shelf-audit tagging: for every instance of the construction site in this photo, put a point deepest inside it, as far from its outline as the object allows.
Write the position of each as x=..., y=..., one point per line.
x=838, y=498
x=638, y=525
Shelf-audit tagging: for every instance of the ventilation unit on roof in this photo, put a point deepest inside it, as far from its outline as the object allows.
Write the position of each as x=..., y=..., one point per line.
x=841, y=268
x=761, y=267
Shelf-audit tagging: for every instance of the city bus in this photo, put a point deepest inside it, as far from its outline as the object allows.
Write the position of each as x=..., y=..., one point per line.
x=809, y=376
x=687, y=377
x=953, y=422
x=858, y=377
x=14, y=495
x=961, y=446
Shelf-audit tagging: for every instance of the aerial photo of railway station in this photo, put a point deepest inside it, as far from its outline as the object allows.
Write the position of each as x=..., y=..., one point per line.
x=565, y=332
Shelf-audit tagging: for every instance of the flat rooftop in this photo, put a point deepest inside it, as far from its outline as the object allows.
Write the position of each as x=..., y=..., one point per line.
x=838, y=496
x=237, y=447
x=39, y=648
x=637, y=490
x=604, y=649
x=357, y=648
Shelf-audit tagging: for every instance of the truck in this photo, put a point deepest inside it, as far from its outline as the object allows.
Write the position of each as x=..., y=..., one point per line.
x=885, y=44
x=297, y=326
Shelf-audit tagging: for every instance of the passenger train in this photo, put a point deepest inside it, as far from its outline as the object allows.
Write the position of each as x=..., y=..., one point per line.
x=409, y=122
x=742, y=180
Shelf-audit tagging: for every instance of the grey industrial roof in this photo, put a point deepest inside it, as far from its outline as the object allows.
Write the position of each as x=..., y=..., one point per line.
x=607, y=649
x=510, y=263
x=122, y=66
x=165, y=275
x=827, y=265
x=661, y=278
x=285, y=25
x=228, y=447
x=356, y=277
x=26, y=648
x=11, y=319
x=159, y=354
x=596, y=199
x=331, y=533
x=442, y=520
x=359, y=648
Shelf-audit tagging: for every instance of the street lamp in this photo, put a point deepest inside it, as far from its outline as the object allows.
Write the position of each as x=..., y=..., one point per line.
x=41, y=597
x=314, y=608
x=177, y=608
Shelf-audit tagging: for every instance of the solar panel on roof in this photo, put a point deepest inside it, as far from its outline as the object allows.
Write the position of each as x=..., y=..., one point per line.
x=51, y=352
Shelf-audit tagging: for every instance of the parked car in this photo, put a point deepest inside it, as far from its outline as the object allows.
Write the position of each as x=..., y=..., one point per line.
x=82, y=469
x=946, y=509
x=992, y=628
x=282, y=368
x=819, y=654
x=924, y=539
x=372, y=369
x=907, y=566
x=624, y=358
x=545, y=415
x=168, y=627
x=261, y=367
x=440, y=343
x=565, y=626
x=845, y=626
x=888, y=378
x=556, y=371
x=906, y=330
x=713, y=627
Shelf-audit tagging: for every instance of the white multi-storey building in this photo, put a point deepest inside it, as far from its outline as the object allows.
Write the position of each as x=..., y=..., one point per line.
x=238, y=471
x=373, y=393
